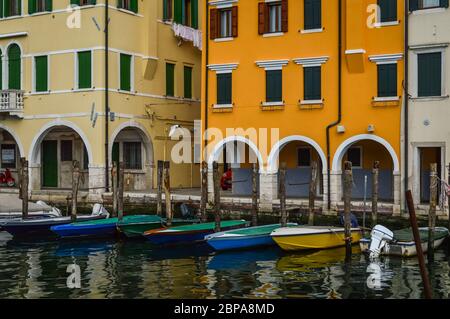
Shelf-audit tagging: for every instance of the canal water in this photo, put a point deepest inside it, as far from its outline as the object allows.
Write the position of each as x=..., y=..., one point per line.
x=135, y=269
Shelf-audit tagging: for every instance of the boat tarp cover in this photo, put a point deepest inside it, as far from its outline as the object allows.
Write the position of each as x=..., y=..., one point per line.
x=194, y=227
x=259, y=230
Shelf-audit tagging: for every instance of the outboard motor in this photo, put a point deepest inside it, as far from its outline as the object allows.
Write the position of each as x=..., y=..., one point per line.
x=380, y=235
x=186, y=211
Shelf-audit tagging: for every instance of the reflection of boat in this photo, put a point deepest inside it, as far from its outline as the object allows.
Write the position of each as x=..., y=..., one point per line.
x=312, y=237
x=400, y=242
x=235, y=260
x=305, y=261
x=41, y=226
x=82, y=248
x=136, y=226
x=243, y=238
x=189, y=233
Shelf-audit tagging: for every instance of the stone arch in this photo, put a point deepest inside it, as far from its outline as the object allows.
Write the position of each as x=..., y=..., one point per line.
x=16, y=138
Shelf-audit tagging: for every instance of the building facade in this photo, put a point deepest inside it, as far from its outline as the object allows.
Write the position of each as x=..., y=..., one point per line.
x=323, y=79
x=429, y=105
x=54, y=83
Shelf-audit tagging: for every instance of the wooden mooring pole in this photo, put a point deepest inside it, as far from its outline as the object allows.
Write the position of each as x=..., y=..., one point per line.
x=448, y=199
x=204, y=196
x=282, y=194
x=255, y=195
x=348, y=184
x=24, y=186
x=114, y=188
x=415, y=229
x=169, y=215
x=375, y=177
x=159, y=187
x=432, y=212
x=216, y=181
x=312, y=192
x=75, y=186
x=120, y=189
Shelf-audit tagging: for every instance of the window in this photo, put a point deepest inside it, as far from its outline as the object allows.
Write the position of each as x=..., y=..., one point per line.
x=130, y=5
x=304, y=157
x=273, y=17
x=387, y=80
x=313, y=14
x=187, y=82
x=170, y=79
x=14, y=67
x=85, y=158
x=186, y=12
x=224, y=91
x=39, y=6
x=83, y=2
x=312, y=83
x=41, y=73
x=427, y=4
x=274, y=86
x=1, y=68
x=132, y=155
x=224, y=23
x=10, y=8
x=167, y=10
x=354, y=155
x=84, y=69
x=429, y=74
x=8, y=155
x=66, y=151
x=125, y=72
x=388, y=10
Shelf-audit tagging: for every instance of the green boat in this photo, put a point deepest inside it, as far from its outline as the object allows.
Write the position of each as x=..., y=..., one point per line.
x=135, y=226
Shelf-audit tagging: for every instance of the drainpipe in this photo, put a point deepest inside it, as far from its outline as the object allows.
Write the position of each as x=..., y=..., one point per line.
x=206, y=71
x=106, y=96
x=406, y=99
x=338, y=121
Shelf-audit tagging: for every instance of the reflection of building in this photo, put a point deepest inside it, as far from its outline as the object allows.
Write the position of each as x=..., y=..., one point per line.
x=53, y=89
x=429, y=76
x=273, y=65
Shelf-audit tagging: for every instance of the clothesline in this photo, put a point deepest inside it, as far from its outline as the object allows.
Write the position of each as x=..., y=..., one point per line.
x=188, y=34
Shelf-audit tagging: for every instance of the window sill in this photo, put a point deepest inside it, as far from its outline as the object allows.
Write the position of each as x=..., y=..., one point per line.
x=386, y=101
x=311, y=104
x=428, y=10
x=223, y=106
x=307, y=31
x=11, y=17
x=134, y=171
x=84, y=90
x=429, y=98
x=227, y=39
x=41, y=13
x=273, y=34
x=386, y=24
x=272, y=106
x=40, y=92
x=129, y=12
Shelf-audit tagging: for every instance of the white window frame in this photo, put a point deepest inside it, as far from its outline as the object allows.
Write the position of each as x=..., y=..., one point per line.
x=386, y=59
x=223, y=69
x=76, y=73
x=33, y=66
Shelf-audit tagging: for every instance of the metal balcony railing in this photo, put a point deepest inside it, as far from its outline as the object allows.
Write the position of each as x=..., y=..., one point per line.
x=11, y=101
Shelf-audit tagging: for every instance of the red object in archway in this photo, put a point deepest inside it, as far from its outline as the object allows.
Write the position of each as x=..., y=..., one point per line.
x=9, y=180
x=226, y=180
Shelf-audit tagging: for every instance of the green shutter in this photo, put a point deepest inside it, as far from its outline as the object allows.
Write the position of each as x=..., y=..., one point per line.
x=430, y=74
x=48, y=5
x=14, y=67
x=134, y=6
x=312, y=14
x=194, y=14
x=31, y=6
x=93, y=2
x=75, y=2
x=413, y=5
x=170, y=79
x=1, y=67
x=387, y=80
x=444, y=3
x=84, y=70
x=125, y=72
x=41, y=73
x=312, y=83
x=274, y=86
x=119, y=3
x=187, y=82
x=178, y=9
x=1, y=8
x=224, y=91
x=388, y=10
x=6, y=12
x=165, y=10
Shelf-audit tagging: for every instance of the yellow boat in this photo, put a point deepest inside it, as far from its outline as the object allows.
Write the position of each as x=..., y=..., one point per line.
x=312, y=237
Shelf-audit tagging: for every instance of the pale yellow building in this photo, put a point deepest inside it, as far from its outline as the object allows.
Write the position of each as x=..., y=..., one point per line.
x=54, y=90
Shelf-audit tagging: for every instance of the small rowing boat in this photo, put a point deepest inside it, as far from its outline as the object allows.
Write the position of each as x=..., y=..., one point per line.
x=243, y=238
x=136, y=226
x=189, y=233
x=41, y=226
x=312, y=237
x=401, y=242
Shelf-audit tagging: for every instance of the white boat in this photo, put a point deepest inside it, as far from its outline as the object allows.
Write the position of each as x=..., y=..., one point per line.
x=401, y=242
x=36, y=210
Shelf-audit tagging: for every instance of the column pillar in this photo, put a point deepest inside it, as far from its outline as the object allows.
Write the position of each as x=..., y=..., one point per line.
x=268, y=190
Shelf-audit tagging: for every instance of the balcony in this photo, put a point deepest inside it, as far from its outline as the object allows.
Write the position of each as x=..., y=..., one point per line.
x=188, y=34
x=11, y=102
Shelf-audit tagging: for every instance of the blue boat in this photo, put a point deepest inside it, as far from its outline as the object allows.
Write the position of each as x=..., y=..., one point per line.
x=244, y=238
x=95, y=228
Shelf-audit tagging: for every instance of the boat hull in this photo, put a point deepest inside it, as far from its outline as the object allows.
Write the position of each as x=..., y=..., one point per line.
x=137, y=230
x=402, y=249
x=241, y=243
x=322, y=240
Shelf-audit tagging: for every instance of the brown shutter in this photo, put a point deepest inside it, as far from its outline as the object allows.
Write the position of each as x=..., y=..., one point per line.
x=284, y=15
x=213, y=23
x=234, y=19
x=262, y=16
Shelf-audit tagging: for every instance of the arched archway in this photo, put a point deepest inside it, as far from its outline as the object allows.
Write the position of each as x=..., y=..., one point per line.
x=363, y=150
x=11, y=150
x=52, y=152
x=131, y=143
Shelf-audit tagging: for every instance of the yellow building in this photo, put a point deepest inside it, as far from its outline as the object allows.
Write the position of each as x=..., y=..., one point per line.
x=294, y=68
x=55, y=88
